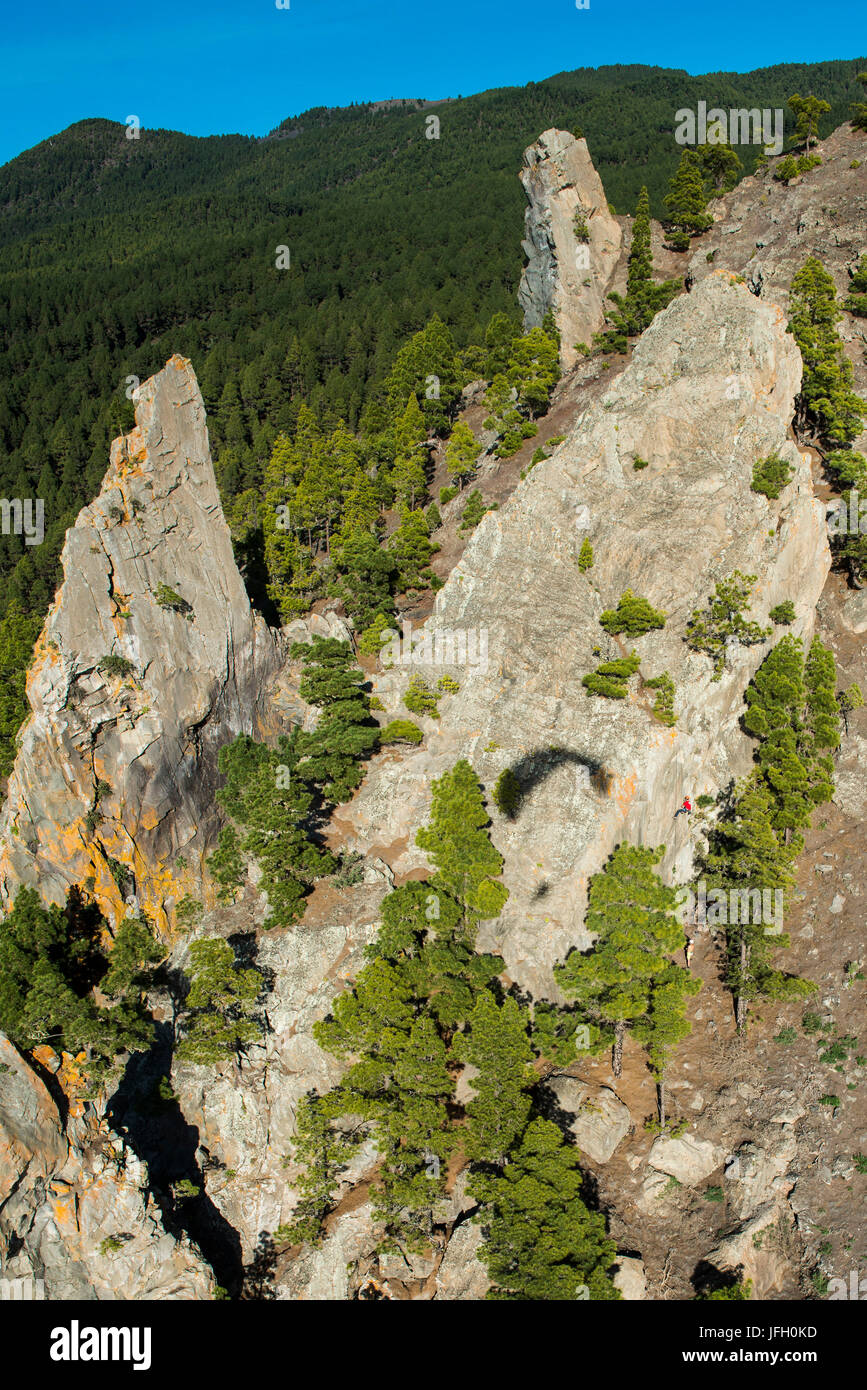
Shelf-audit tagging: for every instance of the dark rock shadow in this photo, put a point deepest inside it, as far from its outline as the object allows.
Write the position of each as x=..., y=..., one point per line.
x=147, y=1115
x=706, y=1278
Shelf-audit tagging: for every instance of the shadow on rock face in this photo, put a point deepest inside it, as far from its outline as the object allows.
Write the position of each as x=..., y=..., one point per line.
x=145, y=1113
x=533, y=769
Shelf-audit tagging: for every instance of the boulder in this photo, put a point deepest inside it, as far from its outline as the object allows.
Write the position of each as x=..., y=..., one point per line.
x=688, y=1159
x=630, y=1277
x=601, y=1120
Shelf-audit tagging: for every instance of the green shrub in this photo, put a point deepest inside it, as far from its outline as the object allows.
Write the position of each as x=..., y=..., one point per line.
x=639, y=463
x=579, y=226
x=609, y=679
x=474, y=510
x=663, y=708
x=585, y=556
x=633, y=615
x=786, y=169
x=167, y=597
x=401, y=731
x=447, y=685
x=184, y=1189
x=110, y=1245
x=783, y=614
x=771, y=475
x=446, y=494
x=420, y=699
x=112, y=665
x=370, y=641
x=704, y=800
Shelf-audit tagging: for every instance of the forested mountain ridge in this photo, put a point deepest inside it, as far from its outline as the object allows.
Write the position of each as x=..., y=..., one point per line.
x=117, y=253
x=234, y=1037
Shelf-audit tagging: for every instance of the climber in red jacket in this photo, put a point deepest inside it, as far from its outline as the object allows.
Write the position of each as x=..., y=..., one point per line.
x=685, y=809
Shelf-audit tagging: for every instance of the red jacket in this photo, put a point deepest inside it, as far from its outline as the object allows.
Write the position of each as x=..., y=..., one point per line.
x=686, y=804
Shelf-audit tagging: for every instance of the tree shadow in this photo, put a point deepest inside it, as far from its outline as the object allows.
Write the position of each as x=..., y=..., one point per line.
x=259, y=1273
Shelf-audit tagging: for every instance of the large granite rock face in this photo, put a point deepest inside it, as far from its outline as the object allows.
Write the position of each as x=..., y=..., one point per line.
x=76, y=1217
x=196, y=676
x=709, y=391
x=565, y=274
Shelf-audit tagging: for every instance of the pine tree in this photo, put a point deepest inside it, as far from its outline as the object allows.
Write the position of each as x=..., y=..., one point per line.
x=368, y=574
x=859, y=108
x=585, y=556
x=644, y=297
x=665, y=1024
x=504, y=417
x=686, y=203
x=346, y=733
x=462, y=453
x=826, y=395
x=724, y=620
x=322, y=1150
x=747, y=857
x=274, y=805
x=457, y=840
x=220, y=1008
x=719, y=165
x=534, y=370
x=134, y=953
x=856, y=299
x=18, y=632
x=541, y=1241
x=412, y=549
x=631, y=913
x=496, y=1044
x=408, y=474
x=807, y=111
x=427, y=367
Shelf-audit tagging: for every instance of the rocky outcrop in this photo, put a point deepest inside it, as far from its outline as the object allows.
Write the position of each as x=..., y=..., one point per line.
x=765, y=230
x=567, y=273
x=149, y=661
x=599, y=1121
x=76, y=1216
x=689, y=1160
x=709, y=390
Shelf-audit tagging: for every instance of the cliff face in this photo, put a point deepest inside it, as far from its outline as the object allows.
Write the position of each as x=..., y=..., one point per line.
x=150, y=583
x=76, y=1216
x=709, y=391
x=566, y=273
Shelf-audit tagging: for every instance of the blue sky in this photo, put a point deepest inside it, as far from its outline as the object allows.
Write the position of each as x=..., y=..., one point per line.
x=213, y=66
